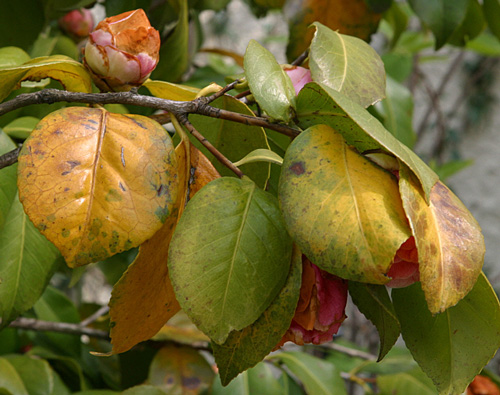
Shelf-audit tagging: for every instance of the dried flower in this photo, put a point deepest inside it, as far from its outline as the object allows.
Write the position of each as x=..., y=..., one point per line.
x=122, y=51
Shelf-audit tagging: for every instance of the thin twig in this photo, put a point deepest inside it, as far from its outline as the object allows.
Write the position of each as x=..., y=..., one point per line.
x=60, y=327
x=243, y=94
x=222, y=92
x=9, y=158
x=301, y=58
x=214, y=151
x=94, y=317
x=350, y=351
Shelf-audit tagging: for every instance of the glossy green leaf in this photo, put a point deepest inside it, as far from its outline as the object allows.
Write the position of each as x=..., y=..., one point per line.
x=411, y=382
x=397, y=360
x=233, y=139
x=180, y=370
x=397, y=19
x=19, y=27
x=485, y=44
x=269, y=83
x=56, y=307
x=36, y=374
x=12, y=57
x=229, y=256
x=10, y=381
x=318, y=104
x=21, y=127
x=174, y=54
x=319, y=377
x=397, y=110
x=342, y=210
x=472, y=25
x=170, y=91
x=28, y=258
x=243, y=349
x=260, y=155
x=348, y=65
x=441, y=16
x=70, y=73
x=491, y=10
x=451, y=347
x=374, y=302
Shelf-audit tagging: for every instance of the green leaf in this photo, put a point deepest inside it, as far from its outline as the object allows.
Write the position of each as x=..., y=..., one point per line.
x=12, y=57
x=318, y=376
x=20, y=22
x=441, y=16
x=397, y=19
x=234, y=140
x=144, y=389
x=269, y=83
x=397, y=360
x=257, y=380
x=491, y=11
x=70, y=73
x=374, y=302
x=21, y=127
x=260, y=155
x=342, y=228
x=397, y=110
x=10, y=381
x=229, y=256
x=485, y=44
x=35, y=373
x=243, y=349
x=115, y=7
x=348, y=65
x=56, y=307
x=451, y=347
x=450, y=168
x=180, y=370
x=472, y=25
x=28, y=258
x=318, y=104
x=411, y=382
x=174, y=53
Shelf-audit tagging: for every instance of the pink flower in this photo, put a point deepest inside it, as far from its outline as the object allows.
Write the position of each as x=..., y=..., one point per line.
x=404, y=270
x=299, y=76
x=77, y=23
x=122, y=51
x=321, y=307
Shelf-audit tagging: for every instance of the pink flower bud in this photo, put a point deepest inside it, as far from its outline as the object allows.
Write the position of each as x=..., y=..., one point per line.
x=404, y=270
x=299, y=76
x=321, y=307
x=122, y=51
x=77, y=23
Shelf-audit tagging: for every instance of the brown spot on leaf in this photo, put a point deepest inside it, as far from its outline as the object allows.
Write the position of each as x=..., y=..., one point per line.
x=191, y=382
x=297, y=168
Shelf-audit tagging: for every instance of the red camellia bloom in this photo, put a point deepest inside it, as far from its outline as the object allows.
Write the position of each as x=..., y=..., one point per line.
x=77, y=23
x=122, y=51
x=404, y=270
x=321, y=307
x=299, y=76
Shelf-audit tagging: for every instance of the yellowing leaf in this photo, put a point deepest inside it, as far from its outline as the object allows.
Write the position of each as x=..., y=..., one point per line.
x=170, y=91
x=352, y=17
x=449, y=242
x=342, y=210
x=180, y=329
x=70, y=73
x=143, y=300
x=96, y=183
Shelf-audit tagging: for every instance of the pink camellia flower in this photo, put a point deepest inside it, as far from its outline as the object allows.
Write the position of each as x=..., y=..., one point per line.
x=321, y=307
x=404, y=270
x=122, y=51
x=77, y=23
x=299, y=76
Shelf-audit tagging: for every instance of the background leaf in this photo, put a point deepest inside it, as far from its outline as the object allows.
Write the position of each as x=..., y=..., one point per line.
x=449, y=242
x=12, y=56
x=348, y=65
x=10, y=381
x=78, y=182
x=21, y=127
x=491, y=11
x=27, y=24
x=411, y=382
x=352, y=222
x=318, y=104
x=260, y=155
x=268, y=82
x=374, y=302
x=229, y=256
x=450, y=347
x=36, y=374
x=244, y=349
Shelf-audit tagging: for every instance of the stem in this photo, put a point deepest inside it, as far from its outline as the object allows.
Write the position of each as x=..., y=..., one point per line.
x=301, y=58
x=214, y=151
x=9, y=158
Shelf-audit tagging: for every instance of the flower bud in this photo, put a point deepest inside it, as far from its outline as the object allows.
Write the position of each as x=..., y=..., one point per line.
x=299, y=76
x=122, y=51
x=321, y=307
x=77, y=23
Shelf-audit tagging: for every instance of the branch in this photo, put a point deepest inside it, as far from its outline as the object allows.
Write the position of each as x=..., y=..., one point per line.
x=9, y=158
x=350, y=351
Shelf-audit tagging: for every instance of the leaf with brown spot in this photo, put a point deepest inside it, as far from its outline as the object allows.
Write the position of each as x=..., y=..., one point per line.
x=97, y=183
x=448, y=238
x=143, y=299
x=352, y=17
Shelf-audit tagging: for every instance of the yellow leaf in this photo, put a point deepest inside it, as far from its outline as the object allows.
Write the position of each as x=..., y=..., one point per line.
x=71, y=74
x=97, y=183
x=352, y=17
x=143, y=300
x=448, y=238
x=342, y=210
x=170, y=91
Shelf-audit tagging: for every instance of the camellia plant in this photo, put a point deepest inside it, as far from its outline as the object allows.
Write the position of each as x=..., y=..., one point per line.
x=253, y=261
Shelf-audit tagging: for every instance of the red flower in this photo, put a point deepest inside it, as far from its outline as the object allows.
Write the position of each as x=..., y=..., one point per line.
x=77, y=23
x=404, y=270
